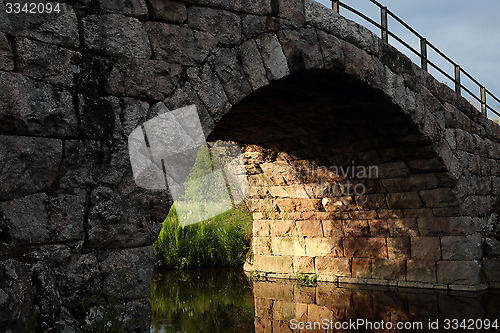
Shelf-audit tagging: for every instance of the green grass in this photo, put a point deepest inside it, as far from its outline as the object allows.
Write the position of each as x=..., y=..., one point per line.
x=222, y=241
x=307, y=280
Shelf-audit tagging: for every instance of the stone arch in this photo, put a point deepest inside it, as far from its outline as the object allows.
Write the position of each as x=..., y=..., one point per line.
x=104, y=71
x=427, y=197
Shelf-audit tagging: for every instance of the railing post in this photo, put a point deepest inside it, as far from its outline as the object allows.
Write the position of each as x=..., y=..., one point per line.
x=483, y=101
x=385, y=30
x=423, y=53
x=335, y=5
x=458, y=86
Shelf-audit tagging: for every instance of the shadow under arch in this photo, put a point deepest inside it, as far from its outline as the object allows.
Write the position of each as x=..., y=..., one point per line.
x=302, y=136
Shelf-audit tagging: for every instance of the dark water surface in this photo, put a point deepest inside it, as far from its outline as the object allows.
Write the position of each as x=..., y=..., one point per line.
x=223, y=300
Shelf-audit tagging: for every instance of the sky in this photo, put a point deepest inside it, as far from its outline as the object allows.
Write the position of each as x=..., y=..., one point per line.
x=468, y=32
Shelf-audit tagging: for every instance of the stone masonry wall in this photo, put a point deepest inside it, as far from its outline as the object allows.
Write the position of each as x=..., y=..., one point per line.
x=74, y=85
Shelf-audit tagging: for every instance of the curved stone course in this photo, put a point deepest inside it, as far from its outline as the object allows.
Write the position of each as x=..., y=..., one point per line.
x=297, y=85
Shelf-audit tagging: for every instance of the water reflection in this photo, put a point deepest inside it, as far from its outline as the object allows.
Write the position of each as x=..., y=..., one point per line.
x=223, y=301
x=202, y=301
x=284, y=306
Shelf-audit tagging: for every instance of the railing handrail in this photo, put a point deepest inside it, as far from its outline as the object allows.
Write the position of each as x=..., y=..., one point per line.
x=422, y=54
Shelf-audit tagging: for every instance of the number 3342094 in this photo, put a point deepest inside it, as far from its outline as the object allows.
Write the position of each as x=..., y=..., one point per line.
x=32, y=8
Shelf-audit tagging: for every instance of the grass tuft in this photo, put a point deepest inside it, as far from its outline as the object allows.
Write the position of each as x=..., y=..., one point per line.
x=222, y=241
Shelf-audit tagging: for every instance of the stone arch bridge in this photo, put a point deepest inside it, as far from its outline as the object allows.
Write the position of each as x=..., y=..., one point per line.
x=303, y=90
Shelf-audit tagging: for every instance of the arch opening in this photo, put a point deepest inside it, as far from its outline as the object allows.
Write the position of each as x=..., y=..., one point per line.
x=341, y=183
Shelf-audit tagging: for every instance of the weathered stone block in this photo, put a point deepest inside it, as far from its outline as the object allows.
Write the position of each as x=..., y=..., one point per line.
x=333, y=266
x=371, y=201
x=461, y=247
x=114, y=222
x=99, y=117
x=231, y=73
x=276, y=264
x=180, y=45
x=404, y=200
x=46, y=62
x=419, y=212
x=333, y=53
x=209, y=89
x=478, y=205
x=262, y=245
x=304, y=265
x=491, y=269
x=361, y=268
x=288, y=246
x=35, y=108
x=134, y=112
x=317, y=247
x=262, y=7
x=253, y=65
x=143, y=78
x=6, y=55
x=378, y=228
x=393, y=170
x=446, y=226
x=332, y=228
x=272, y=54
x=17, y=292
x=337, y=203
x=416, y=182
x=54, y=28
x=442, y=197
x=391, y=213
x=388, y=269
x=301, y=49
x=365, y=247
x=356, y=228
x=254, y=25
x=135, y=8
x=491, y=247
x=116, y=35
x=82, y=163
x=27, y=165
x=358, y=62
x=262, y=227
x=292, y=10
x=283, y=228
x=426, y=248
x=398, y=248
x=37, y=218
x=405, y=227
x=131, y=265
x=459, y=272
x=226, y=26
x=428, y=165
x=363, y=214
x=421, y=271
x=168, y=10
x=326, y=19
x=309, y=228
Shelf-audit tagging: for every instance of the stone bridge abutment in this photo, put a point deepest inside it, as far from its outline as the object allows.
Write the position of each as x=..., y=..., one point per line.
x=305, y=92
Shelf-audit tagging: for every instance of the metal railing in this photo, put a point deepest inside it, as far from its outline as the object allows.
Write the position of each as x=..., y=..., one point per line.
x=425, y=45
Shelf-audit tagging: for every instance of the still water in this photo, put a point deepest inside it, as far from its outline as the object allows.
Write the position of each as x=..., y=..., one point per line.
x=224, y=300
